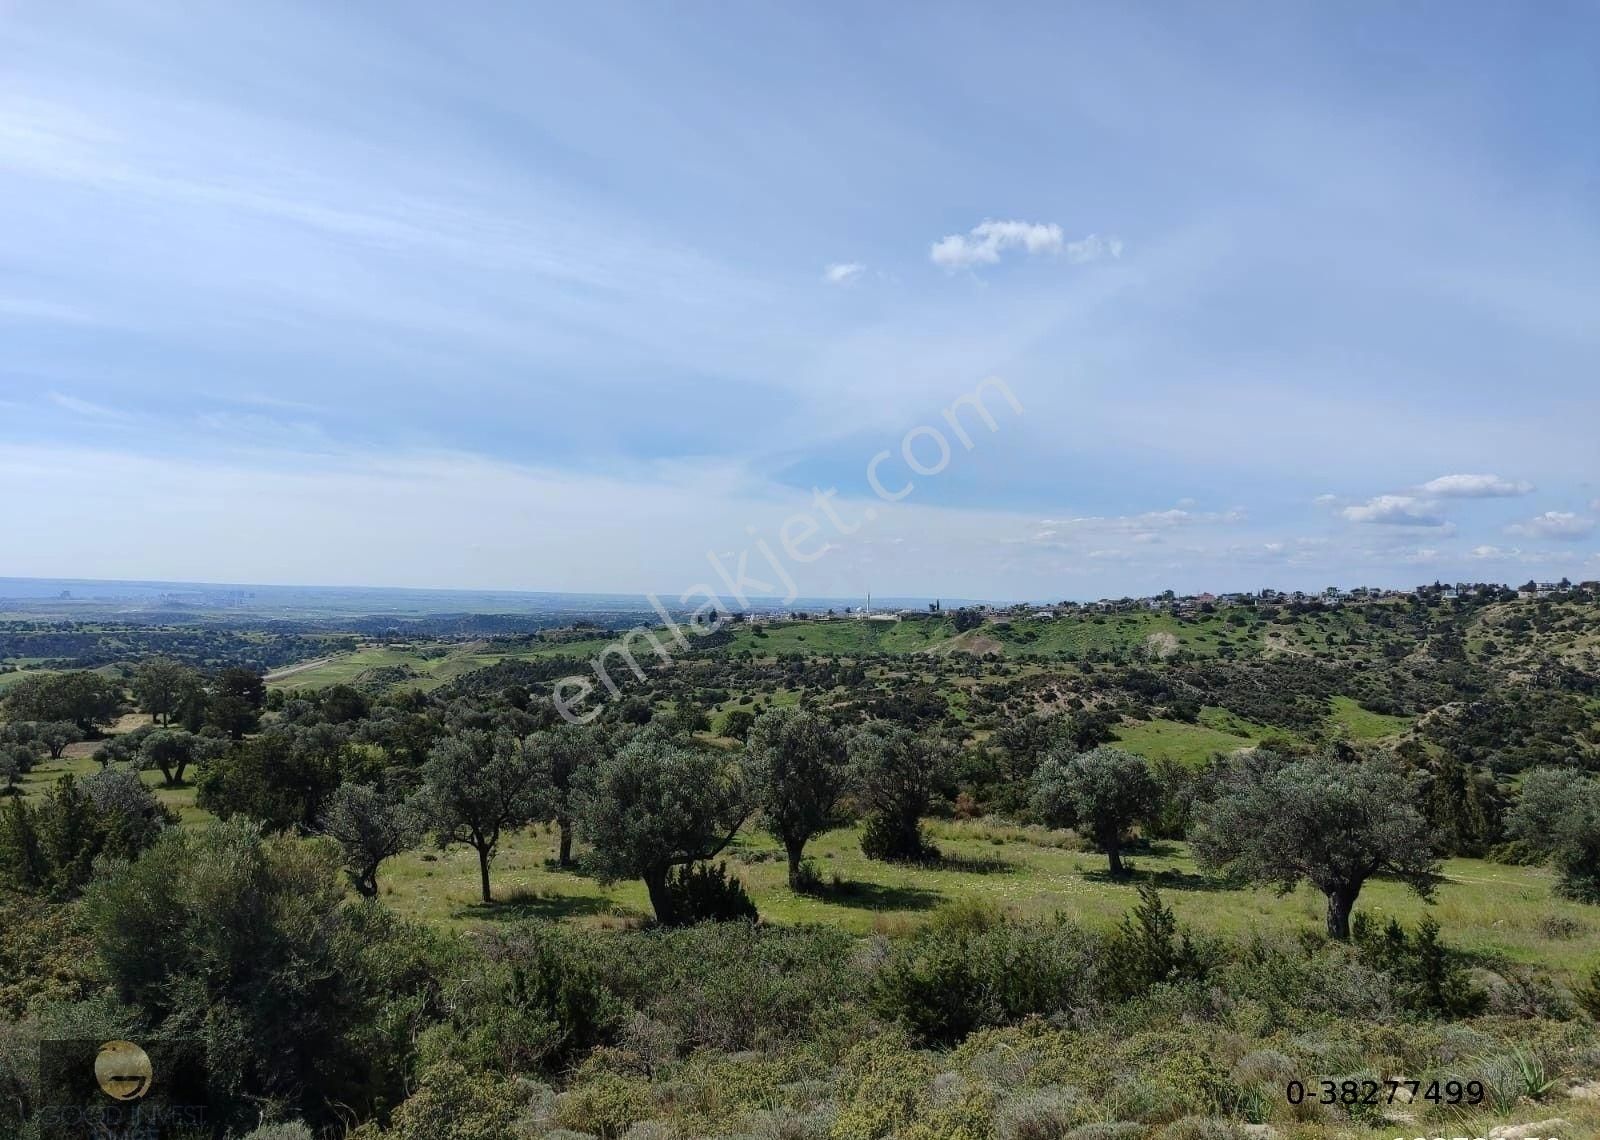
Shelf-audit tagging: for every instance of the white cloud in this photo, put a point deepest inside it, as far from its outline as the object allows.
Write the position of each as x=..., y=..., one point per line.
x=1475, y=487
x=985, y=242
x=1093, y=248
x=1395, y=510
x=843, y=272
x=1141, y=525
x=1554, y=524
x=1488, y=552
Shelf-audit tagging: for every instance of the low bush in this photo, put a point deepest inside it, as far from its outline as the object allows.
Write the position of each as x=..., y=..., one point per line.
x=967, y=973
x=735, y=986
x=1430, y=978
x=705, y=892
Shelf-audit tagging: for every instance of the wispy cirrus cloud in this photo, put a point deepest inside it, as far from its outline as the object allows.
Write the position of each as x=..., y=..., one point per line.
x=1475, y=487
x=1140, y=527
x=482, y=264
x=985, y=242
x=86, y=407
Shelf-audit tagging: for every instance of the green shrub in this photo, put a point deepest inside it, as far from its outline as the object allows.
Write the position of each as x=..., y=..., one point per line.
x=971, y=970
x=605, y=1104
x=293, y=1130
x=734, y=985
x=1181, y=1063
x=967, y=1115
x=932, y=986
x=888, y=838
x=1148, y=949
x=1588, y=994
x=530, y=1002
x=703, y=892
x=1430, y=978
x=1291, y=982
x=250, y=944
x=454, y=1104
x=1043, y=1114
x=808, y=880
x=883, y=1090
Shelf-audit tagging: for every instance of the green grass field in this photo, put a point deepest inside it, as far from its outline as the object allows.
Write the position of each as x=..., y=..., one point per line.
x=433, y=665
x=79, y=763
x=1191, y=744
x=1365, y=725
x=1487, y=908
x=844, y=636
x=9, y=679
x=1072, y=636
x=1157, y=633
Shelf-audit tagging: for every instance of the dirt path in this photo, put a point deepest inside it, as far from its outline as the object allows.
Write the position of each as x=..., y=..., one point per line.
x=280, y=674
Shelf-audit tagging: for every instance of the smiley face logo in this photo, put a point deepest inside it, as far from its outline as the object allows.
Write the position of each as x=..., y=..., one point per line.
x=123, y=1070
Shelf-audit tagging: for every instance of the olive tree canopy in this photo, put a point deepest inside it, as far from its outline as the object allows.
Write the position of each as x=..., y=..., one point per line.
x=658, y=804
x=1334, y=823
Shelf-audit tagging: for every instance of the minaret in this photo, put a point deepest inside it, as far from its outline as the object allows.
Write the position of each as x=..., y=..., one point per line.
x=869, y=603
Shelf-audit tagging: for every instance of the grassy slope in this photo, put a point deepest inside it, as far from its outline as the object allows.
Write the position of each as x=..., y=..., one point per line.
x=1363, y=724
x=79, y=763
x=1190, y=744
x=1075, y=636
x=9, y=679
x=844, y=636
x=1483, y=907
x=433, y=670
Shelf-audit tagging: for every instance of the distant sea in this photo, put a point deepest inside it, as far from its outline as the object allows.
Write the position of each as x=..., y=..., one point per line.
x=75, y=597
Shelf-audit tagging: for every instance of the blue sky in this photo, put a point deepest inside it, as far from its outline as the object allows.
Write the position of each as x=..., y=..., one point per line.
x=572, y=296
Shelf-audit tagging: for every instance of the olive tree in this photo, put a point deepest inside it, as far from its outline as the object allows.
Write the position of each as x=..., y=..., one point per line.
x=1333, y=823
x=251, y=939
x=798, y=767
x=894, y=771
x=133, y=816
x=1546, y=796
x=16, y=761
x=1557, y=815
x=370, y=825
x=1025, y=741
x=655, y=805
x=55, y=735
x=161, y=686
x=170, y=752
x=282, y=777
x=86, y=699
x=565, y=756
x=479, y=785
x=1103, y=792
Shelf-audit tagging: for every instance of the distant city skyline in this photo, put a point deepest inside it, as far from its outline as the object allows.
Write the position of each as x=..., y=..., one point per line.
x=586, y=298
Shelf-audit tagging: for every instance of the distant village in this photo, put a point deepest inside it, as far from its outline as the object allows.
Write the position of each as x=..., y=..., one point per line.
x=1168, y=601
